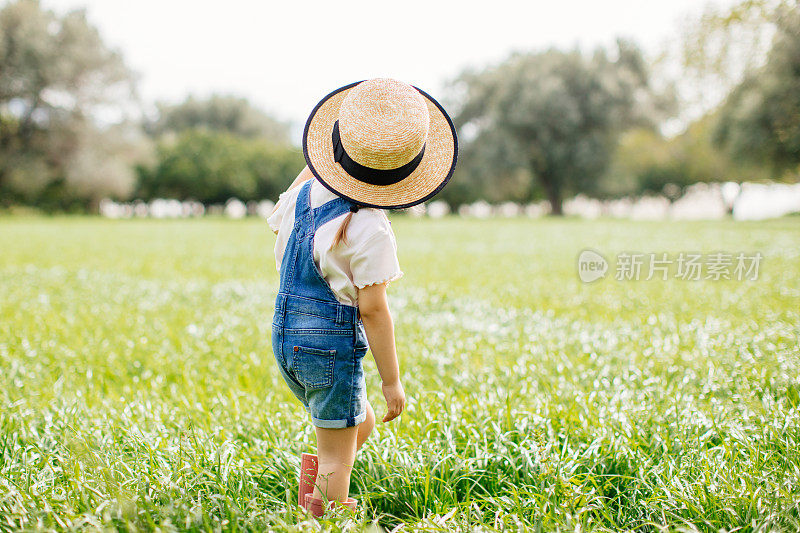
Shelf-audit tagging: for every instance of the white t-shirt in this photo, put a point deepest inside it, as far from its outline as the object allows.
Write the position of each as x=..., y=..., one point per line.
x=369, y=256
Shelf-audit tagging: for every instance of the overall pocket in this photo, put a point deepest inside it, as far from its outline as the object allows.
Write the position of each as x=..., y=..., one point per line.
x=313, y=367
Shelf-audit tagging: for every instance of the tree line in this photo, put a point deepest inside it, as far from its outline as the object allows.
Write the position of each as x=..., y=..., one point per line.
x=537, y=125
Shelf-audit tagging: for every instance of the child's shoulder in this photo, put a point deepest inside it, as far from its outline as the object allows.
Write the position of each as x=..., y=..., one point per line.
x=369, y=224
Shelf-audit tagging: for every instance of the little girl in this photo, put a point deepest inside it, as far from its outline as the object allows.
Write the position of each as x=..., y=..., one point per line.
x=371, y=145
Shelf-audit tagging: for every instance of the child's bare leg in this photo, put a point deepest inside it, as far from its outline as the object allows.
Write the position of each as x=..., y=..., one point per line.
x=336, y=449
x=365, y=427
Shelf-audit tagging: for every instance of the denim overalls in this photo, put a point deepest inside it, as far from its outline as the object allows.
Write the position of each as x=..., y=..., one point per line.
x=318, y=342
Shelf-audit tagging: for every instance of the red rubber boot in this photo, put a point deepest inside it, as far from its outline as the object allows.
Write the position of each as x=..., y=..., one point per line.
x=316, y=506
x=308, y=476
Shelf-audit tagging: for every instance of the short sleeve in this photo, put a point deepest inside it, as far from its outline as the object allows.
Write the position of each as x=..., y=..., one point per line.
x=276, y=218
x=375, y=260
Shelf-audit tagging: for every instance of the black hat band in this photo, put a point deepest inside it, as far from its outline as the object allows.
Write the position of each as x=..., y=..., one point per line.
x=373, y=176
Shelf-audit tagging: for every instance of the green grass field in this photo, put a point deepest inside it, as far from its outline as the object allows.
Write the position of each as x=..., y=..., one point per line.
x=138, y=389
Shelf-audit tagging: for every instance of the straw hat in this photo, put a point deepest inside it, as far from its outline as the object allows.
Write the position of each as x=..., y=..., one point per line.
x=381, y=143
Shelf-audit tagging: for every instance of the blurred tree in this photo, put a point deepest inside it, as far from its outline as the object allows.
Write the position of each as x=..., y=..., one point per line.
x=213, y=166
x=274, y=168
x=715, y=51
x=218, y=113
x=211, y=150
x=647, y=162
x=719, y=47
x=641, y=155
x=56, y=78
x=206, y=166
x=760, y=120
x=103, y=164
x=553, y=116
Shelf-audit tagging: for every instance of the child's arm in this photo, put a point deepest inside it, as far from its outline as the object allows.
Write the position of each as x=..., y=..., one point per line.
x=374, y=309
x=304, y=175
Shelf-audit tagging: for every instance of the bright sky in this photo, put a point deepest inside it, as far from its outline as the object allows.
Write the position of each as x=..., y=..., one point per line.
x=286, y=55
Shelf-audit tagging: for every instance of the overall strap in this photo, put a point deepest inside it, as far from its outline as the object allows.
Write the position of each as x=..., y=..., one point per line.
x=330, y=210
x=294, y=248
x=302, y=208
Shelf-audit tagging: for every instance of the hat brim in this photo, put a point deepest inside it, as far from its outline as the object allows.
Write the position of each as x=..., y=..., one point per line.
x=432, y=174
